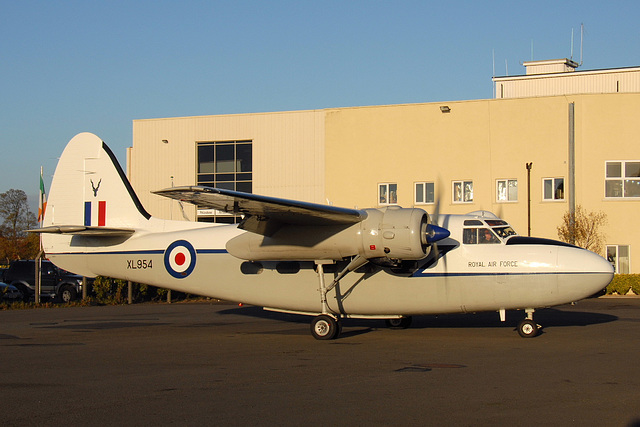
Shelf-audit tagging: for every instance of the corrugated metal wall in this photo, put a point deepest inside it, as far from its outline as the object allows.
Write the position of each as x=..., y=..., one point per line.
x=583, y=82
x=288, y=155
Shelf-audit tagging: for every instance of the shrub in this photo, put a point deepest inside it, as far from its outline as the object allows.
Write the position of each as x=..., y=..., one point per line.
x=621, y=284
x=114, y=291
x=109, y=291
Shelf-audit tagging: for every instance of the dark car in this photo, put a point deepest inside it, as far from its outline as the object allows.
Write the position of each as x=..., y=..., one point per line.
x=9, y=293
x=54, y=281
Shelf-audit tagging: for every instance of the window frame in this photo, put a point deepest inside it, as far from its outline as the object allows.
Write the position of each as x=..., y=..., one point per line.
x=462, y=184
x=223, y=172
x=506, y=181
x=623, y=179
x=616, y=262
x=387, y=186
x=554, y=186
x=425, y=192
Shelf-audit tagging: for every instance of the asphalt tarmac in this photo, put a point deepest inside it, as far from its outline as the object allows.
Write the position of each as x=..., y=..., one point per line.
x=212, y=364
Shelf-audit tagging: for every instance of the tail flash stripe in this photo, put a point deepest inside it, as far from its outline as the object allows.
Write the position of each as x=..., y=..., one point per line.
x=126, y=182
x=102, y=213
x=87, y=214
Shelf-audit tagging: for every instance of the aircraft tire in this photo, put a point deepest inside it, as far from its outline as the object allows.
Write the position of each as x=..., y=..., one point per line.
x=400, y=323
x=528, y=328
x=325, y=327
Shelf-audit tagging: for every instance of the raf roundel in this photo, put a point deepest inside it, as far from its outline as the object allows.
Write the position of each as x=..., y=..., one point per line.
x=180, y=259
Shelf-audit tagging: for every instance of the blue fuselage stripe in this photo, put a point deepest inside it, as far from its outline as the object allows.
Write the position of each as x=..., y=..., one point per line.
x=528, y=273
x=140, y=252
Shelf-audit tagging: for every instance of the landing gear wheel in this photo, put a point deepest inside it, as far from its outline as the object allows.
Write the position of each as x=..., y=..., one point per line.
x=528, y=328
x=399, y=323
x=325, y=327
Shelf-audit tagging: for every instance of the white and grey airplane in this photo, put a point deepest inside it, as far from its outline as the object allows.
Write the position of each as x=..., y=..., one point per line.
x=324, y=261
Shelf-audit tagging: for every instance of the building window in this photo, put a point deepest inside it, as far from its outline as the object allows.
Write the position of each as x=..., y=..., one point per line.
x=425, y=193
x=387, y=194
x=462, y=191
x=553, y=188
x=618, y=256
x=622, y=179
x=507, y=190
x=227, y=165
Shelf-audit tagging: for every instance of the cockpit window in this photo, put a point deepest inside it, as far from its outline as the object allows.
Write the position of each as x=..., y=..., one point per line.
x=472, y=222
x=504, y=232
x=494, y=222
x=471, y=236
x=486, y=236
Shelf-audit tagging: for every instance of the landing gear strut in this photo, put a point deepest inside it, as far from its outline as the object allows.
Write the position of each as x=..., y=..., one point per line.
x=528, y=328
x=325, y=326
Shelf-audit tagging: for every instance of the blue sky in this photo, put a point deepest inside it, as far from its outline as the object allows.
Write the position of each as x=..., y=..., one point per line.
x=73, y=66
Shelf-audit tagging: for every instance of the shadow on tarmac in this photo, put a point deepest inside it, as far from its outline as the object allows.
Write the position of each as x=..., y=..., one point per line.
x=548, y=317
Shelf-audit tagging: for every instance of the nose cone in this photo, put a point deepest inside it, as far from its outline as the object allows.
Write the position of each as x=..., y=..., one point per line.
x=587, y=273
x=435, y=233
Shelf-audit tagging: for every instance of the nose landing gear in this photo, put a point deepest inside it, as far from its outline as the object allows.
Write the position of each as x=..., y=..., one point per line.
x=527, y=328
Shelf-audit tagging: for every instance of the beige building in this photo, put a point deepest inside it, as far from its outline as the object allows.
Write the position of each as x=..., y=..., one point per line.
x=451, y=157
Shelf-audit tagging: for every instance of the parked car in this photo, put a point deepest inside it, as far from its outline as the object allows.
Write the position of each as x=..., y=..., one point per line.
x=54, y=281
x=9, y=293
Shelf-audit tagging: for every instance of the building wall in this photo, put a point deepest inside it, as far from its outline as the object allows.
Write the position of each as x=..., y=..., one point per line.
x=340, y=155
x=623, y=80
x=288, y=155
x=609, y=130
x=480, y=141
x=485, y=141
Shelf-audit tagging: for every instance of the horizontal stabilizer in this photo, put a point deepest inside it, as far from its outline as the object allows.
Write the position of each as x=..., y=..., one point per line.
x=84, y=230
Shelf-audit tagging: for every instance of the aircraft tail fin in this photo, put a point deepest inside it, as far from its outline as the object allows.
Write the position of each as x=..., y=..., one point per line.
x=90, y=194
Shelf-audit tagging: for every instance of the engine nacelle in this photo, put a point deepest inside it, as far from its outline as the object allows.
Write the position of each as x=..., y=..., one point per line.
x=386, y=237
x=395, y=233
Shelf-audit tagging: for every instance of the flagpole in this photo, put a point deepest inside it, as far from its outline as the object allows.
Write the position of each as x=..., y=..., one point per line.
x=42, y=205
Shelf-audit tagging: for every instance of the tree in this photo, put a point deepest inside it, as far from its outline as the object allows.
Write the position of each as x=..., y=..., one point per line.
x=16, y=218
x=582, y=228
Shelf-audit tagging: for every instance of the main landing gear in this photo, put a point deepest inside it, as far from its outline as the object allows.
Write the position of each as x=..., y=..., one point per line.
x=325, y=327
x=527, y=328
x=399, y=323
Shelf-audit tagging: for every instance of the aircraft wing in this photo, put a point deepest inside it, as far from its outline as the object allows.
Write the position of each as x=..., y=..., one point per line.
x=264, y=215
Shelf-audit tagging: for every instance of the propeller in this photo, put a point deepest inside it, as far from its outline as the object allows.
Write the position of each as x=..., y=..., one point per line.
x=436, y=232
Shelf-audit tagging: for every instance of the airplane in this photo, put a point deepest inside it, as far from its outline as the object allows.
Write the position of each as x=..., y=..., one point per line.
x=324, y=261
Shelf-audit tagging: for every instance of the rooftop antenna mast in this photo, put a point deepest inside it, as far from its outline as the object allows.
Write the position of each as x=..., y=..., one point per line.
x=581, y=40
x=532, y=49
x=571, y=57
